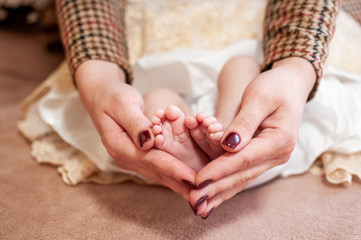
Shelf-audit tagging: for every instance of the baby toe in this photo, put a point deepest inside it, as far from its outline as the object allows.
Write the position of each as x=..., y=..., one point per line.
x=215, y=127
x=217, y=136
x=173, y=113
x=159, y=140
x=157, y=129
x=191, y=122
x=208, y=121
x=201, y=116
x=156, y=120
x=159, y=113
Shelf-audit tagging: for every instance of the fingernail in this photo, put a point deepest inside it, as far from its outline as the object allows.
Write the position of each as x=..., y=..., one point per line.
x=144, y=137
x=208, y=213
x=204, y=184
x=194, y=209
x=232, y=140
x=189, y=184
x=201, y=200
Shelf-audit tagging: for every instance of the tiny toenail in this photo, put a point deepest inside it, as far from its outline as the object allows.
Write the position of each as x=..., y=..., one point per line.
x=189, y=184
x=144, y=137
x=201, y=200
x=208, y=213
x=204, y=184
x=194, y=209
x=232, y=140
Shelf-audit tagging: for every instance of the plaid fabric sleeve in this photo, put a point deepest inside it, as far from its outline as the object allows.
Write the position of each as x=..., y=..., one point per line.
x=295, y=28
x=93, y=30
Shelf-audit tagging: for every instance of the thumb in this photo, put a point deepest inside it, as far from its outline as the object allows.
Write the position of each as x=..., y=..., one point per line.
x=136, y=124
x=241, y=130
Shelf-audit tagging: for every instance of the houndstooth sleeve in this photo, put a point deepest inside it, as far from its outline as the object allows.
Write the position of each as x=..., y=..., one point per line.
x=93, y=30
x=299, y=28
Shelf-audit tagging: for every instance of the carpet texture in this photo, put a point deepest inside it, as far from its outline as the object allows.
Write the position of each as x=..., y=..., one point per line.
x=36, y=204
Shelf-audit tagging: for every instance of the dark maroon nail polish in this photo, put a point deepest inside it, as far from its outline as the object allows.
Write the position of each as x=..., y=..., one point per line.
x=144, y=137
x=189, y=184
x=194, y=209
x=208, y=213
x=232, y=140
x=204, y=183
x=201, y=200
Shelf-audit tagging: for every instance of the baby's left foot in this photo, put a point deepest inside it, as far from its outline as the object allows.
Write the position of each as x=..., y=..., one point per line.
x=173, y=137
x=207, y=132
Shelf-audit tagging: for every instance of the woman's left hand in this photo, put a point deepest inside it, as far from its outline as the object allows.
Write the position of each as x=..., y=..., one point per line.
x=262, y=136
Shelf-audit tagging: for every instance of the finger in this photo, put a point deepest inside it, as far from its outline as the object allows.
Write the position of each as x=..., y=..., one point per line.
x=191, y=122
x=219, y=198
x=252, y=113
x=164, y=180
x=164, y=163
x=114, y=139
x=261, y=148
x=137, y=125
x=231, y=181
x=181, y=187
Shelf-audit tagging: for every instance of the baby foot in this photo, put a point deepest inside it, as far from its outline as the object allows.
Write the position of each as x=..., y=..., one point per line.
x=207, y=132
x=173, y=137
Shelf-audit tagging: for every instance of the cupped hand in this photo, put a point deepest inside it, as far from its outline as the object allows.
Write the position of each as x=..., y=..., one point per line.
x=262, y=136
x=116, y=109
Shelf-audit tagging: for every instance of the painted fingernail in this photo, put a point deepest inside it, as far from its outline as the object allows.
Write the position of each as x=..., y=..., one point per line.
x=208, y=213
x=232, y=140
x=194, y=209
x=201, y=200
x=144, y=137
x=204, y=183
x=189, y=184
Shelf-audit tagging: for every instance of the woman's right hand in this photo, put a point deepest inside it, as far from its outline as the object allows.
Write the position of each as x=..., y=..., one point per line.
x=116, y=109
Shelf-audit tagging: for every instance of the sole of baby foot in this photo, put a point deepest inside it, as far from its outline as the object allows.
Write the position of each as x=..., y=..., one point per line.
x=207, y=132
x=173, y=137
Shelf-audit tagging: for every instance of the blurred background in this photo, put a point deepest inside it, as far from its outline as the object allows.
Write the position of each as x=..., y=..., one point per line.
x=29, y=38
x=31, y=16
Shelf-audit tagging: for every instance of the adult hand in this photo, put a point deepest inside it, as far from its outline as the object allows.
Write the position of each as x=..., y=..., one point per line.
x=116, y=109
x=262, y=136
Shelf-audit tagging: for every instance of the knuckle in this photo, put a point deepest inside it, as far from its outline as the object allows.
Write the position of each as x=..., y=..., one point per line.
x=284, y=142
x=236, y=183
x=148, y=163
x=264, y=96
x=111, y=152
x=110, y=149
x=122, y=164
x=158, y=177
x=246, y=123
x=284, y=159
x=214, y=190
x=243, y=178
x=247, y=162
x=288, y=144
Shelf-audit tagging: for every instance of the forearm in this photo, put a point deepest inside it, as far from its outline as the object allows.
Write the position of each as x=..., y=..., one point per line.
x=93, y=30
x=299, y=29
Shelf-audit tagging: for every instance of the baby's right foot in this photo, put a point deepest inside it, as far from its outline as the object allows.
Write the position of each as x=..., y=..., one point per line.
x=207, y=132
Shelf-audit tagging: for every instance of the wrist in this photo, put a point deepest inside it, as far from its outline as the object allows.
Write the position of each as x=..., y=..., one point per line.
x=94, y=75
x=93, y=72
x=300, y=69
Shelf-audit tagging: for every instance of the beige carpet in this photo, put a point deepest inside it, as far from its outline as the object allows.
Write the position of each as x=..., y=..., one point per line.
x=36, y=204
